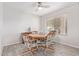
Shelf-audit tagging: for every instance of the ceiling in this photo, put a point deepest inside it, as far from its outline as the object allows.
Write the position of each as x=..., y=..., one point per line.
x=30, y=6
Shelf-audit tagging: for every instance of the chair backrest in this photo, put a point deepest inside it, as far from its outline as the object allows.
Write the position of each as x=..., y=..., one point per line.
x=30, y=42
x=50, y=34
x=25, y=35
x=34, y=32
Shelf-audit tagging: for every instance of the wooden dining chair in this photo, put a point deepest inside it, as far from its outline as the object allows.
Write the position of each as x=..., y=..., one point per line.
x=24, y=36
x=42, y=42
x=49, y=41
x=31, y=46
x=50, y=36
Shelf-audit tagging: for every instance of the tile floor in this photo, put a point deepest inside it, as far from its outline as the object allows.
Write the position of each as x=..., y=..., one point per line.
x=59, y=50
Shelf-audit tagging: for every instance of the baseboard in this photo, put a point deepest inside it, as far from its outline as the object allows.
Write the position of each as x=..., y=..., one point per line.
x=64, y=43
x=12, y=44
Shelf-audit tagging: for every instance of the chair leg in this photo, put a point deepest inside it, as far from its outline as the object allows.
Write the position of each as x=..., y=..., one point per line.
x=32, y=50
x=48, y=49
x=26, y=51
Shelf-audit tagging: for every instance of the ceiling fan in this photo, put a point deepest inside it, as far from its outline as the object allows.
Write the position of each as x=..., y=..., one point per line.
x=41, y=5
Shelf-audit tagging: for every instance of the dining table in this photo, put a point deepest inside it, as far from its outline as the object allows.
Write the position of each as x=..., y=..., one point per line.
x=37, y=36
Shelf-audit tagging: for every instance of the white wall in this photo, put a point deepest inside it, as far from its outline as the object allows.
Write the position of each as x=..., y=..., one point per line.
x=72, y=14
x=15, y=22
x=1, y=19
